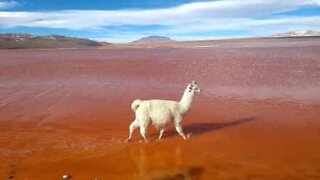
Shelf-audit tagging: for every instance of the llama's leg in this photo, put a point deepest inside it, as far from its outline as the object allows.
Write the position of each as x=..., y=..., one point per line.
x=132, y=127
x=144, y=121
x=143, y=132
x=161, y=133
x=177, y=124
x=180, y=130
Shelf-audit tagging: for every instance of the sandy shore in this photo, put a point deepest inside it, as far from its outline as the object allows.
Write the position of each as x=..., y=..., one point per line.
x=67, y=111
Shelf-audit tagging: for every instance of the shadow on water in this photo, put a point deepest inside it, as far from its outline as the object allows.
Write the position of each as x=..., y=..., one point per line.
x=187, y=173
x=202, y=128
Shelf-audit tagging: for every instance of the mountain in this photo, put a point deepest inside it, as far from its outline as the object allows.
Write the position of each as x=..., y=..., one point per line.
x=153, y=39
x=26, y=41
x=303, y=33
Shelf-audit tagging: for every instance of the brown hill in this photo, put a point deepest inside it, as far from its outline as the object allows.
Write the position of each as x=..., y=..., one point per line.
x=302, y=33
x=26, y=41
x=153, y=39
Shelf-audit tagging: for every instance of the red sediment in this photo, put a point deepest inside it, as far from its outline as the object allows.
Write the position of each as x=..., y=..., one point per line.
x=68, y=111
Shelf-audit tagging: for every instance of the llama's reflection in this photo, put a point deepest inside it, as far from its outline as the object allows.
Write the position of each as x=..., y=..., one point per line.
x=162, y=165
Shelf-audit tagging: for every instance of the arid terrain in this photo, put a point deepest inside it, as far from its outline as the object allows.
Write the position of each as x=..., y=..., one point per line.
x=67, y=111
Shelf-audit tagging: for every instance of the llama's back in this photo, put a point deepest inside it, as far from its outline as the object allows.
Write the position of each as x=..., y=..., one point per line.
x=158, y=104
x=160, y=112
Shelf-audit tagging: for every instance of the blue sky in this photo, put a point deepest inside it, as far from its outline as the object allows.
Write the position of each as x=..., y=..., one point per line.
x=128, y=20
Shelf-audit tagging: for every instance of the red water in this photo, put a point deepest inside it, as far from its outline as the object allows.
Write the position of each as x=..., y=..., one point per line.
x=68, y=111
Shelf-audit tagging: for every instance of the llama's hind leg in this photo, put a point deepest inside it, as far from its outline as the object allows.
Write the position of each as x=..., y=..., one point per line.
x=144, y=122
x=161, y=133
x=143, y=132
x=134, y=125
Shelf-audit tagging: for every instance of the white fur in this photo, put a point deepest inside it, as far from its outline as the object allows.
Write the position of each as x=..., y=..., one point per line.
x=162, y=112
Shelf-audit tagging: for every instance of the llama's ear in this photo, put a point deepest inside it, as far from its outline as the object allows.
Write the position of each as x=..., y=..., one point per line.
x=190, y=87
x=194, y=82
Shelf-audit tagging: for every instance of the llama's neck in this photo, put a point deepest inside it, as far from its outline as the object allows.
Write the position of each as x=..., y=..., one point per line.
x=186, y=101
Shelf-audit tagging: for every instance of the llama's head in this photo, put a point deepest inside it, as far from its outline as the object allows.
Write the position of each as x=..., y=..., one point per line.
x=194, y=88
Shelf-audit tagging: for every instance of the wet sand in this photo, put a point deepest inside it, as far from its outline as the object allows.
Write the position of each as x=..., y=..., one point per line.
x=67, y=112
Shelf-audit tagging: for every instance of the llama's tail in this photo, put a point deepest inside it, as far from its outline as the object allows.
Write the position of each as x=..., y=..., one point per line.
x=135, y=104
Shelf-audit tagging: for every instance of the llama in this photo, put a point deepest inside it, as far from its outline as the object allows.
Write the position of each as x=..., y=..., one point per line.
x=161, y=112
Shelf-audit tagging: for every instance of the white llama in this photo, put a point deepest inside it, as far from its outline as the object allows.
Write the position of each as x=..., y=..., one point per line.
x=161, y=112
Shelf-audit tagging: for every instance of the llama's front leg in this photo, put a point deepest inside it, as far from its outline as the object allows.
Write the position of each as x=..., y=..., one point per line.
x=161, y=133
x=132, y=127
x=180, y=131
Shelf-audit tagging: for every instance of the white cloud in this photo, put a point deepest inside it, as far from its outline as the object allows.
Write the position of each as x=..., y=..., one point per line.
x=247, y=24
x=7, y=4
x=193, y=12
x=206, y=30
x=188, y=18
